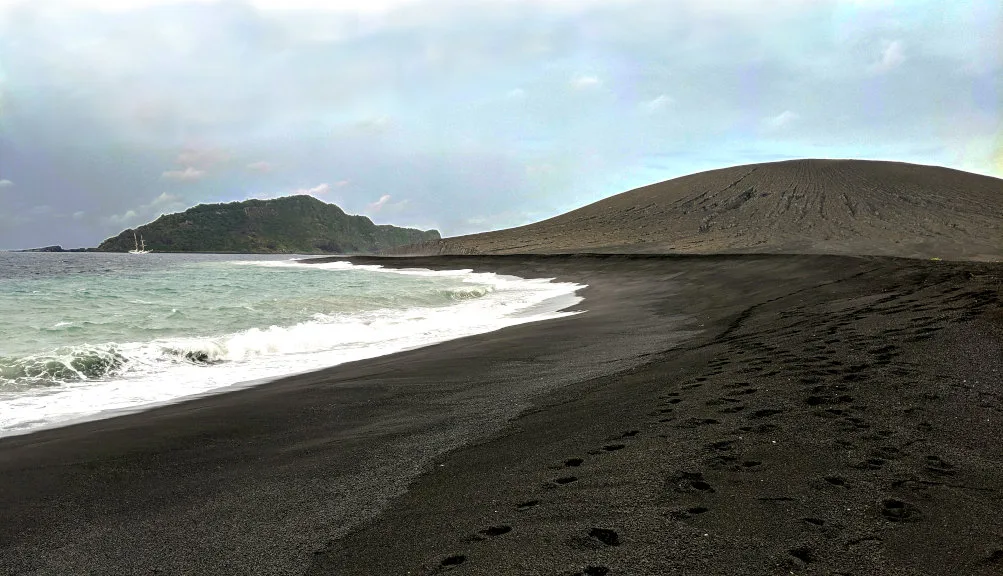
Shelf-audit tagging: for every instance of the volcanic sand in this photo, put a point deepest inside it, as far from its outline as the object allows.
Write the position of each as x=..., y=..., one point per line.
x=734, y=414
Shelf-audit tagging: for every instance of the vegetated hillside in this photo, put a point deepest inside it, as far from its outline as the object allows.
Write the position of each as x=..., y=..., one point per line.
x=798, y=206
x=294, y=224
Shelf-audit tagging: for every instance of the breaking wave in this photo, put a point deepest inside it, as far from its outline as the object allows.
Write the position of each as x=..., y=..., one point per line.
x=73, y=382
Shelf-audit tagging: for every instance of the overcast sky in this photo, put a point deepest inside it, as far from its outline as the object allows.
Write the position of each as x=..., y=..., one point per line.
x=465, y=115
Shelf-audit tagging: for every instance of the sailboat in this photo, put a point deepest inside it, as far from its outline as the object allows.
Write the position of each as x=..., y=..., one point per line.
x=140, y=246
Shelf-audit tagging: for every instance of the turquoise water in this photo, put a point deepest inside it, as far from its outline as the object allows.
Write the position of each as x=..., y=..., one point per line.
x=85, y=334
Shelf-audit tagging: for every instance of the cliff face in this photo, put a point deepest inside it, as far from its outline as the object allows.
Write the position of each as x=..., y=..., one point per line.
x=799, y=206
x=294, y=224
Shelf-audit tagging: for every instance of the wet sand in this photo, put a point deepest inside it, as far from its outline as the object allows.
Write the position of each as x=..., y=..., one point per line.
x=706, y=415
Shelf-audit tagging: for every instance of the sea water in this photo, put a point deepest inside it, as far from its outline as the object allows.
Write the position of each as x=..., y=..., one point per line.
x=87, y=335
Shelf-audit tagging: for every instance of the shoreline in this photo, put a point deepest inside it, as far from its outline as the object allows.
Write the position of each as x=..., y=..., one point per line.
x=504, y=301
x=406, y=462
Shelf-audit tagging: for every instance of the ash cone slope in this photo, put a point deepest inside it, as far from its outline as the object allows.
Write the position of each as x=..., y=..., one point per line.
x=798, y=206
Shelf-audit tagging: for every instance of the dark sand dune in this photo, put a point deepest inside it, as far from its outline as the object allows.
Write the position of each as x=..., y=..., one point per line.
x=798, y=206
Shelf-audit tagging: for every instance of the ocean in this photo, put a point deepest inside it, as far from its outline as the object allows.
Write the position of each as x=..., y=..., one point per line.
x=89, y=335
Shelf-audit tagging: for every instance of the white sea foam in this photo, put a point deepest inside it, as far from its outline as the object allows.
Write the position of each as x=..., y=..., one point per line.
x=162, y=371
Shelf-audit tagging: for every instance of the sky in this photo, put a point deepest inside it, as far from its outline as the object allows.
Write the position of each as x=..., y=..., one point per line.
x=465, y=116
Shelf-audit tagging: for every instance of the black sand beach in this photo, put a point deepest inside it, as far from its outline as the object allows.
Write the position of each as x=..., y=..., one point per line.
x=756, y=414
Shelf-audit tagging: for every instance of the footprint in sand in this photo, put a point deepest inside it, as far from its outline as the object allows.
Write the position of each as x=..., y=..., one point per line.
x=690, y=482
x=527, y=505
x=491, y=532
x=803, y=553
x=689, y=512
x=898, y=511
x=606, y=536
x=454, y=560
x=495, y=531
x=765, y=413
x=695, y=422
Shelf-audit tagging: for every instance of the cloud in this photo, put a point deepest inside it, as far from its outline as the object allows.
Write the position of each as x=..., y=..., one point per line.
x=384, y=205
x=318, y=190
x=6, y=183
x=781, y=120
x=163, y=204
x=892, y=56
x=78, y=215
x=164, y=199
x=321, y=189
x=657, y=103
x=127, y=217
x=379, y=204
x=356, y=8
x=260, y=166
x=189, y=174
x=585, y=82
x=325, y=95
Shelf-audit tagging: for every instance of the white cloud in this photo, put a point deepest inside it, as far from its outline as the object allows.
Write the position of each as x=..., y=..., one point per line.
x=379, y=204
x=318, y=190
x=384, y=205
x=657, y=103
x=892, y=56
x=79, y=215
x=364, y=6
x=6, y=183
x=128, y=216
x=164, y=199
x=516, y=94
x=321, y=189
x=189, y=174
x=163, y=204
x=338, y=6
x=164, y=82
x=260, y=166
x=585, y=82
x=781, y=120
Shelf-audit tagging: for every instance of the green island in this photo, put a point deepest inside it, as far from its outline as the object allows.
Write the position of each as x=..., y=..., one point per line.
x=292, y=224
